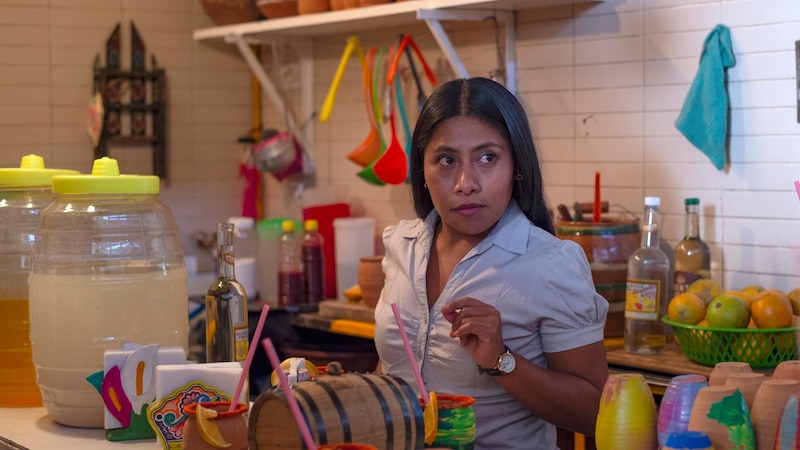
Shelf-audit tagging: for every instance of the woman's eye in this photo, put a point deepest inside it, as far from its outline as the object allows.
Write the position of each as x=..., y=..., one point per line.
x=487, y=157
x=446, y=160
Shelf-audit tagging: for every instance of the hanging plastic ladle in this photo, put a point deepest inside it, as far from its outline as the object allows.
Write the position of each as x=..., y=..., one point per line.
x=353, y=45
x=368, y=173
x=391, y=167
x=371, y=147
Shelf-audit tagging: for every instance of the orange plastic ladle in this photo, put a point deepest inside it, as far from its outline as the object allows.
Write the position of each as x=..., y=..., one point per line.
x=371, y=147
x=408, y=41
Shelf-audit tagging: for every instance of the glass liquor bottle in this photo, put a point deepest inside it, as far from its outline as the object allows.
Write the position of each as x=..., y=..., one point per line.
x=226, y=306
x=313, y=262
x=291, y=288
x=646, y=288
x=692, y=255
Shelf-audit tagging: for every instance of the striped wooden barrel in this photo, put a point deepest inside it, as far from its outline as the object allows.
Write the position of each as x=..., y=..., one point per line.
x=608, y=245
x=379, y=410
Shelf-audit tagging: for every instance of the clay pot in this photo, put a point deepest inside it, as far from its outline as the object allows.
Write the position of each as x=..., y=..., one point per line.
x=351, y=4
x=768, y=406
x=232, y=426
x=788, y=433
x=676, y=404
x=747, y=383
x=336, y=5
x=370, y=279
x=275, y=9
x=723, y=369
x=727, y=401
x=373, y=2
x=627, y=414
x=312, y=6
x=227, y=12
x=787, y=370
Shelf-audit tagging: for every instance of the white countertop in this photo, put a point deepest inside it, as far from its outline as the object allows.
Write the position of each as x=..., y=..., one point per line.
x=34, y=429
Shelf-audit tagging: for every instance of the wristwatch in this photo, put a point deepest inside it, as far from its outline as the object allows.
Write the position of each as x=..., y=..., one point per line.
x=506, y=363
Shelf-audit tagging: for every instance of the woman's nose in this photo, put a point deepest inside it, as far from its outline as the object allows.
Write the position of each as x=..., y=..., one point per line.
x=467, y=181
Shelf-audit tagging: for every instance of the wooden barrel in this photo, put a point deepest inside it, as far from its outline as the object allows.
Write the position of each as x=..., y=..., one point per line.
x=379, y=410
x=608, y=245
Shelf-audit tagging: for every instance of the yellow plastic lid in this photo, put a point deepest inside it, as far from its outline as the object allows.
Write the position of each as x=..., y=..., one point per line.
x=106, y=179
x=287, y=225
x=31, y=173
x=312, y=225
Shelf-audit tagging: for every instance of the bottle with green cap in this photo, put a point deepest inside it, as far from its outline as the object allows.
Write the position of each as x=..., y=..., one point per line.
x=692, y=255
x=24, y=193
x=107, y=271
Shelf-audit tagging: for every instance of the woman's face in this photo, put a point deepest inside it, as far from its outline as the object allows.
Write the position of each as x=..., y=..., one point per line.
x=469, y=171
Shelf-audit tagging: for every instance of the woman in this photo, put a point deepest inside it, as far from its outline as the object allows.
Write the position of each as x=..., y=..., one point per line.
x=494, y=305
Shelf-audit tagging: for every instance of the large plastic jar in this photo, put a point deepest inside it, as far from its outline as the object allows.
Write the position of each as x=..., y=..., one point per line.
x=108, y=269
x=24, y=193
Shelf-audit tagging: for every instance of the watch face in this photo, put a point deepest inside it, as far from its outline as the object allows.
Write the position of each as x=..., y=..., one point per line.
x=507, y=363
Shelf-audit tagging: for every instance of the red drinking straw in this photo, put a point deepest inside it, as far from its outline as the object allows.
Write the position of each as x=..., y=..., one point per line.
x=250, y=353
x=596, y=210
x=423, y=392
x=287, y=392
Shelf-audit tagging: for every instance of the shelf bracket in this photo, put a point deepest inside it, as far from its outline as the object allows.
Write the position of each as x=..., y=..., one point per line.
x=433, y=18
x=301, y=133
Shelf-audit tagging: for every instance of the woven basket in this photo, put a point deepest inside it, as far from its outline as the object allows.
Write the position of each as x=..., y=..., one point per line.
x=761, y=348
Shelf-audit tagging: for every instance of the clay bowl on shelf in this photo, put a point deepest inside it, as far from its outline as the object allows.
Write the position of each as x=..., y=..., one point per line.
x=223, y=12
x=336, y=5
x=275, y=9
x=373, y=2
x=312, y=6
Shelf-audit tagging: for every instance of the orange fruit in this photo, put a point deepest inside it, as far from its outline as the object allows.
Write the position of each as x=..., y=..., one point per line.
x=794, y=298
x=430, y=417
x=686, y=308
x=771, y=308
x=746, y=297
x=706, y=288
x=752, y=348
x=208, y=429
x=753, y=289
x=727, y=311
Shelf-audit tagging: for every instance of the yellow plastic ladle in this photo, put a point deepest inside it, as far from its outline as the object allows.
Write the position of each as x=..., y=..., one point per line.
x=353, y=45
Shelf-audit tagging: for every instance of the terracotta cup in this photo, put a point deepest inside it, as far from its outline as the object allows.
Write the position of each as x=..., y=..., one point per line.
x=723, y=369
x=719, y=409
x=627, y=414
x=787, y=370
x=232, y=426
x=747, y=383
x=768, y=405
x=788, y=433
x=676, y=404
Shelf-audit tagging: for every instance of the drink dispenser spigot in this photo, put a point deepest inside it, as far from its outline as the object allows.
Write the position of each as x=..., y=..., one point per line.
x=24, y=193
x=108, y=270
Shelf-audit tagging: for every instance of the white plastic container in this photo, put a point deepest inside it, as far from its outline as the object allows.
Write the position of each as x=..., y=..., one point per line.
x=245, y=250
x=354, y=238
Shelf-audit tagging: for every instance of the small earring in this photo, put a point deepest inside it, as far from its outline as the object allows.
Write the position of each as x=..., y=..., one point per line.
x=425, y=185
x=518, y=177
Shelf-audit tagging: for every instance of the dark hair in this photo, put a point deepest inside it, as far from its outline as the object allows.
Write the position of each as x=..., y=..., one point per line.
x=493, y=104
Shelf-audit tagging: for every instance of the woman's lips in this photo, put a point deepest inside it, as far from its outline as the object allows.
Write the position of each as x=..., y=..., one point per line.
x=467, y=209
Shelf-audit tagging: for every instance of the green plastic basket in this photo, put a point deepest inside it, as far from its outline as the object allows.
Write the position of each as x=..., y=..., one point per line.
x=761, y=348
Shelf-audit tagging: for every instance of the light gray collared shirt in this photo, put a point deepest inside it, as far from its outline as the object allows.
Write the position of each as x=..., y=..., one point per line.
x=541, y=285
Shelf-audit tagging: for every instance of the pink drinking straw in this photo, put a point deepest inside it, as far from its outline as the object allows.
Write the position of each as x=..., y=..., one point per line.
x=423, y=392
x=250, y=353
x=797, y=187
x=287, y=392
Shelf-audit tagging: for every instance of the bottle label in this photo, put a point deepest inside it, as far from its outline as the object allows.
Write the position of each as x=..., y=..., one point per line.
x=240, y=344
x=641, y=299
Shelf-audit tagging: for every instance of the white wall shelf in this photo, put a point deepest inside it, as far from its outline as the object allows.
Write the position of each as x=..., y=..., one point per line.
x=394, y=14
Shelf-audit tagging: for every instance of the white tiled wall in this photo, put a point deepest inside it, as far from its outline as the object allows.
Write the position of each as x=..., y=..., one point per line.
x=603, y=84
